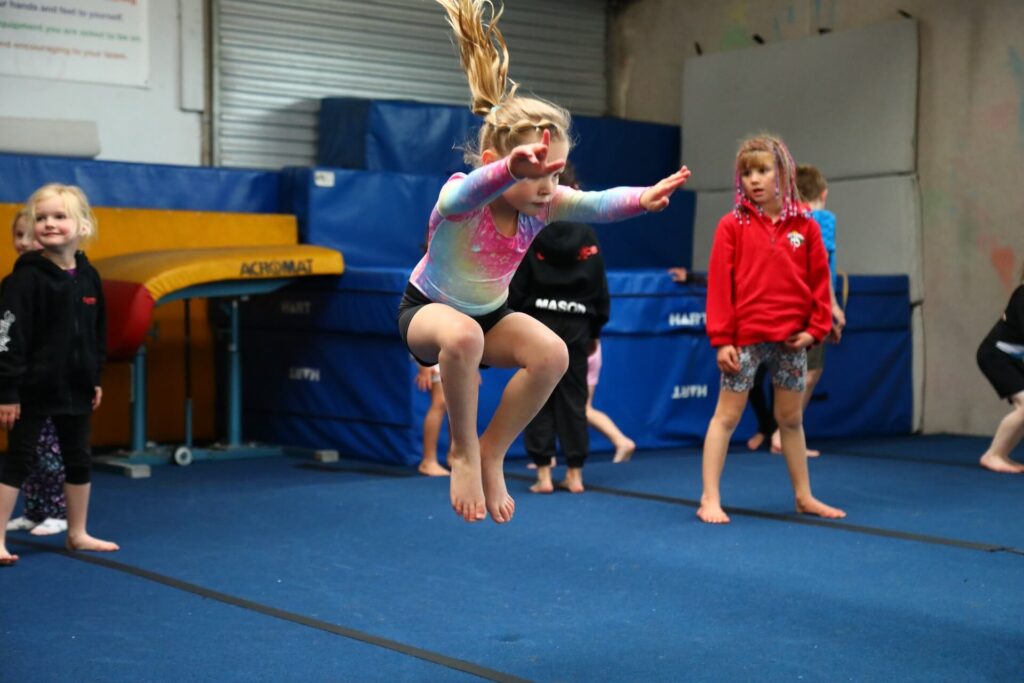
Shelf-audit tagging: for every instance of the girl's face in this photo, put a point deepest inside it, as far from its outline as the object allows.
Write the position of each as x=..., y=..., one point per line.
x=758, y=178
x=24, y=236
x=532, y=195
x=56, y=230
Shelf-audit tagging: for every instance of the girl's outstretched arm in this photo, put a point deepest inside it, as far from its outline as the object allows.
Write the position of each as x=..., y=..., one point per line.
x=655, y=198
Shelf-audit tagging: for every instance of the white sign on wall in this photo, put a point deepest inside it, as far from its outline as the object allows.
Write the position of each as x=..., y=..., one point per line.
x=98, y=41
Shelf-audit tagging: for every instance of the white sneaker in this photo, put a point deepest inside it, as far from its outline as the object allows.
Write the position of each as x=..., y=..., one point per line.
x=50, y=526
x=20, y=524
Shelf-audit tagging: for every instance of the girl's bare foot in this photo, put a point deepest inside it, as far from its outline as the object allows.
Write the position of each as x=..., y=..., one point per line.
x=500, y=505
x=999, y=463
x=813, y=506
x=467, y=493
x=543, y=484
x=711, y=512
x=433, y=469
x=87, y=542
x=573, y=482
x=7, y=559
x=755, y=442
x=776, y=449
x=623, y=452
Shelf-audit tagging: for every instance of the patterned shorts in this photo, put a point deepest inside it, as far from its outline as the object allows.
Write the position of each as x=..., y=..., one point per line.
x=788, y=368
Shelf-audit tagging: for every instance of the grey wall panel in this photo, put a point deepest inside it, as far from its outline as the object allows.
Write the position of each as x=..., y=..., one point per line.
x=275, y=59
x=844, y=101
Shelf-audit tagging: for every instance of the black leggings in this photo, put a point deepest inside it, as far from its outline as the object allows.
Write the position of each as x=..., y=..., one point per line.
x=761, y=402
x=73, y=433
x=564, y=415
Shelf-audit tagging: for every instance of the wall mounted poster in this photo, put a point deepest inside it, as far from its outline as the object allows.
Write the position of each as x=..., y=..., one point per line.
x=97, y=41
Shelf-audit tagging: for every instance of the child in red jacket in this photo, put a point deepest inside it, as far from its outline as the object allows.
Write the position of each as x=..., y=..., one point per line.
x=768, y=300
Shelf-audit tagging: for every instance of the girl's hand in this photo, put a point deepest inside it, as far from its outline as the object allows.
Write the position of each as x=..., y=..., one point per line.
x=97, y=398
x=800, y=340
x=655, y=197
x=530, y=161
x=423, y=378
x=9, y=414
x=838, y=323
x=728, y=359
x=679, y=274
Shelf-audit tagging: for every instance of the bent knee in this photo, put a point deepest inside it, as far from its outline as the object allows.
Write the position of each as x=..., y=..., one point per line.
x=463, y=343
x=549, y=357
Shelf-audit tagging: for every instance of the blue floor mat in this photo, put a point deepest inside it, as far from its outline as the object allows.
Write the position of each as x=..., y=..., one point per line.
x=621, y=583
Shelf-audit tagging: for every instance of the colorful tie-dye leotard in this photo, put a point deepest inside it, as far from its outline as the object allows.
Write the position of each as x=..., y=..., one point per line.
x=469, y=264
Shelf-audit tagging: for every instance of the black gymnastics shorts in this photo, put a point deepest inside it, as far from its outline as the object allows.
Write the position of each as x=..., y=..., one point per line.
x=413, y=300
x=1004, y=373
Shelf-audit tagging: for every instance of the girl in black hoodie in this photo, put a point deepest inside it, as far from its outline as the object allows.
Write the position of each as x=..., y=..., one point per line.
x=52, y=349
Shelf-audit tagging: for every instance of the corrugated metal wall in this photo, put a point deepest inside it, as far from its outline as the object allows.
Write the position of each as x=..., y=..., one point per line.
x=273, y=60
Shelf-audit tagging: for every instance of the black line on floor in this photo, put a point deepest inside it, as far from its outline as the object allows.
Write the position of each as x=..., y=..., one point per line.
x=393, y=472
x=801, y=519
x=353, y=634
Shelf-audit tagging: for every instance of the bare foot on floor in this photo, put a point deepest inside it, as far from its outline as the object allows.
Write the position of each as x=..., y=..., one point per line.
x=433, y=469
x=500, y=505
x=755, y=442
x=543, y=484
x=7, y=559
x=813, y=506
x=624, y=451
x=711, y=512
x=811, y=453
x=573, y=482
x=999, y=463
x=467, y=493
x=87, y=542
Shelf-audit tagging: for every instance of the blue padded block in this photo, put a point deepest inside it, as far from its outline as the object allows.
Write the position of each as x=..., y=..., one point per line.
x=143, y=186
x=373, y=218
x=385, y=135
x=379, y=219
x=423, y=138
x=360, y=301
x=333, y=372
x=335, y=376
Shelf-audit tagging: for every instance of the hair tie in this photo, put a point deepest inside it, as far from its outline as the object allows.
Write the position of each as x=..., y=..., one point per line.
x=495, y=108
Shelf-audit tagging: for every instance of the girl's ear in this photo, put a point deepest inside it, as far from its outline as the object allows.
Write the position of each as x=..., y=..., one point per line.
x=489, y=156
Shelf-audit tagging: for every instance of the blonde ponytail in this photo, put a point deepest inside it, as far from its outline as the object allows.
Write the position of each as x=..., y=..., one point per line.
x=509, y=120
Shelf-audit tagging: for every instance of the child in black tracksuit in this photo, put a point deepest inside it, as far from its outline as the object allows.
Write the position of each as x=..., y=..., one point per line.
x=52, y=351
x=562, y=283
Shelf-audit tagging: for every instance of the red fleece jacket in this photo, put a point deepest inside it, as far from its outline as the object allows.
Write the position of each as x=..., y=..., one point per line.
x=767, y=281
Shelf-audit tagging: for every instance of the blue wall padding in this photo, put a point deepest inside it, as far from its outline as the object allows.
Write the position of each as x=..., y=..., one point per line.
x=373, y=218
x=143, y=186
x=378, y=218
x=427, y=139
x=654, y=240
x=332, y=372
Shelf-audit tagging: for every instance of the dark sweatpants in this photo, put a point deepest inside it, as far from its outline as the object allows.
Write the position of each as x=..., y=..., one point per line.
x=73, y=432
x=563, y=415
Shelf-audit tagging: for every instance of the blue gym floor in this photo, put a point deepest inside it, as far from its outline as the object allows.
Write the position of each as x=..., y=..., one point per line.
x=288, y=570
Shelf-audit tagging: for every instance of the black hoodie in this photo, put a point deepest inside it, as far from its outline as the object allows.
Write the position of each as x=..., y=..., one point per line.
x=562, y=282
x=53, y=336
